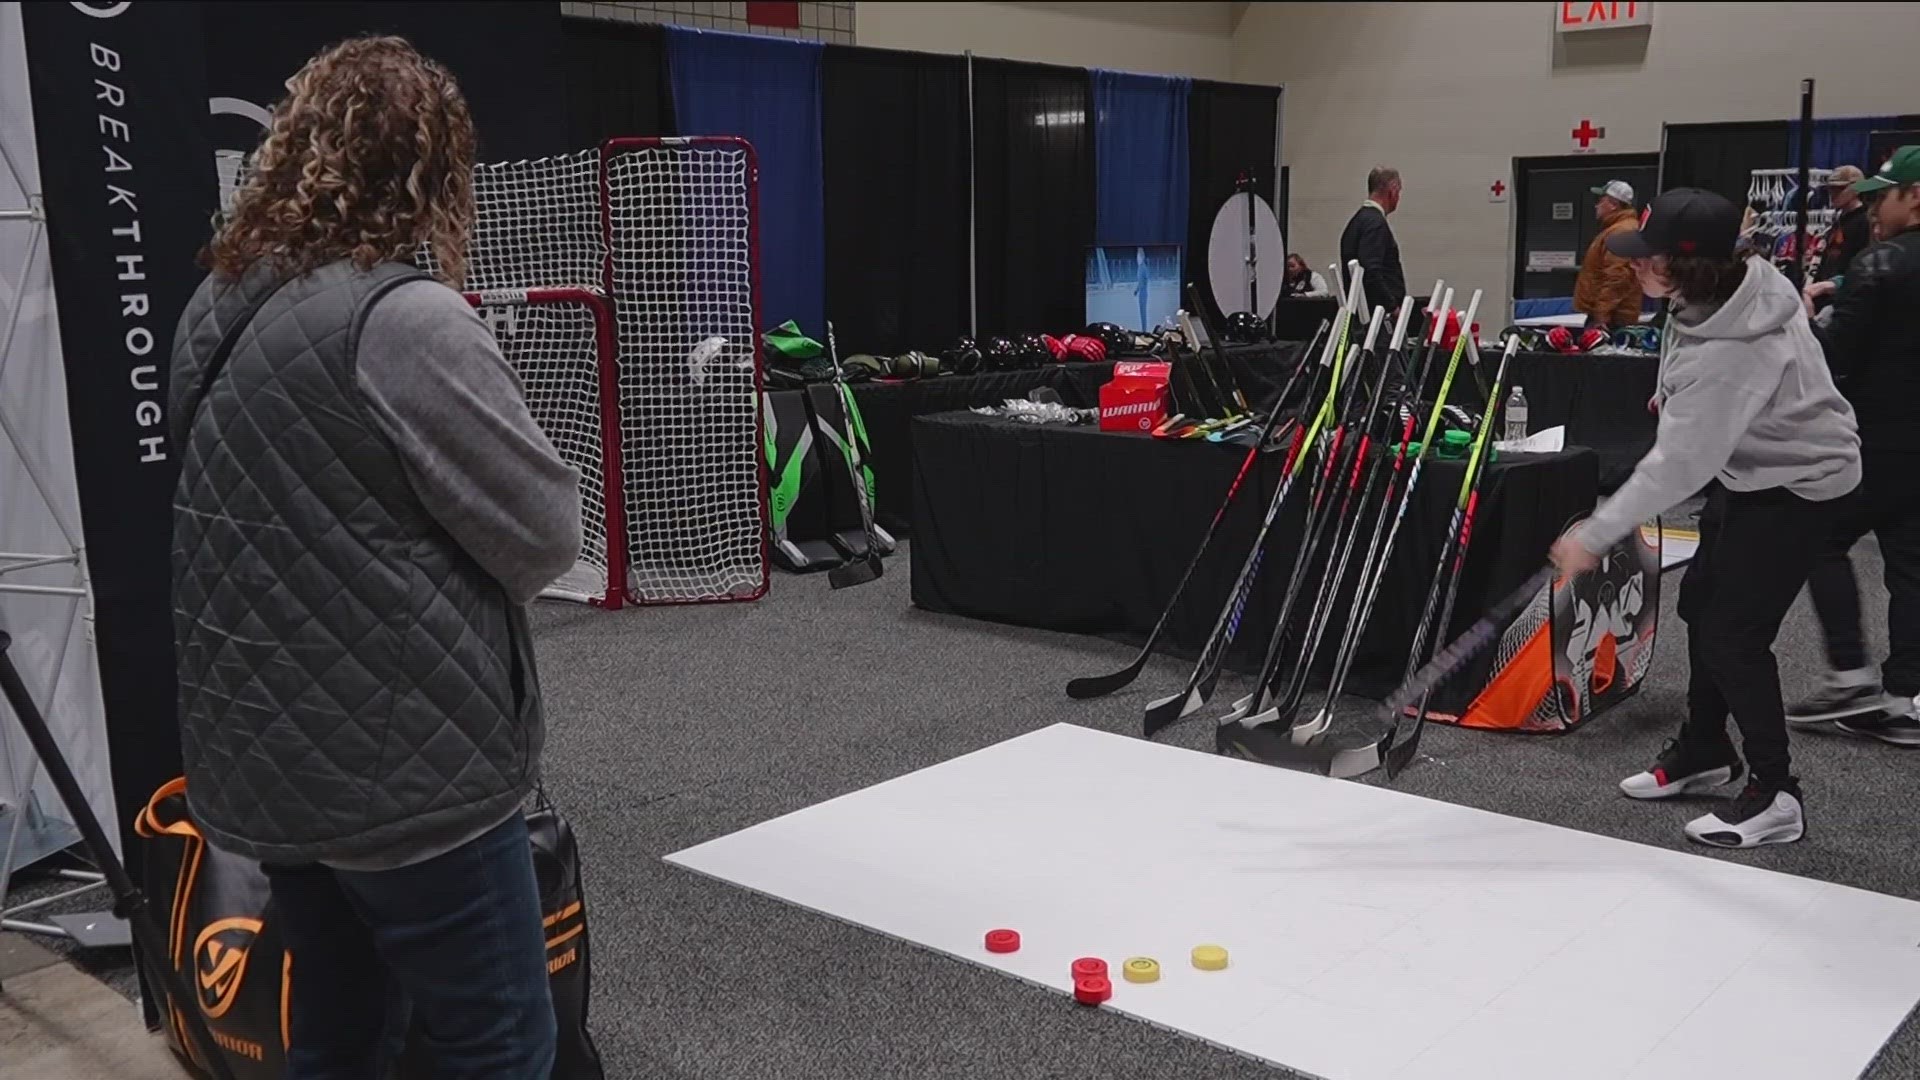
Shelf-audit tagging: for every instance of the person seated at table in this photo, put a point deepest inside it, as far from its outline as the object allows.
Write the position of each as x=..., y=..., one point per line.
x=1303, y=280
x=1746, y=403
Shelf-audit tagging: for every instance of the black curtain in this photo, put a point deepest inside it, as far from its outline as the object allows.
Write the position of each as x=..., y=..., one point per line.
x=893, y=133
x=1230, y=131
x=1721, y=157
x=514, y=93
x=615, y=77
x=1033, y=165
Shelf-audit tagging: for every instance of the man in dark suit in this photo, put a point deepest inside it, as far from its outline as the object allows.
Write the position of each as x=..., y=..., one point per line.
x=1369, y=239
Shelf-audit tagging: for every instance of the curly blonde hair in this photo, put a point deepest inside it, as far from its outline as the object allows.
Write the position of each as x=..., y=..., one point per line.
x=368, y=157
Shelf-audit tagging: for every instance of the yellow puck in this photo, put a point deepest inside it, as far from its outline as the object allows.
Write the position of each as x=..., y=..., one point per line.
x=1140, y=969
x=1209, y=957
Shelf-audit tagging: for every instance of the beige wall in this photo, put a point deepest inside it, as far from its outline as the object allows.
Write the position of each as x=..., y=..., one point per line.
x=1450, y=93
x=1172, y=39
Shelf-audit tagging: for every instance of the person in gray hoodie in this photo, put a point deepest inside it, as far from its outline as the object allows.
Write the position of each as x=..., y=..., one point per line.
x=1748, y=411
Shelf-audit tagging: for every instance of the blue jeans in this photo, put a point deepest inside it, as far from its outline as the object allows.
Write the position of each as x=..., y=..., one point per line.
x=455, y=943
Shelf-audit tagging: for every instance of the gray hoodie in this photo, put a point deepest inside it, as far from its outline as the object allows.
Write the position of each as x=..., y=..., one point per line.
x=1745, y=398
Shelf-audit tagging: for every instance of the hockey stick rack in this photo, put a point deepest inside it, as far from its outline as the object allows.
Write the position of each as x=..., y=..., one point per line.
x=128, y=901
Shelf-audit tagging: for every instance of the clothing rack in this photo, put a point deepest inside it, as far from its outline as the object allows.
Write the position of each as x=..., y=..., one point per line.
x=1771, y=199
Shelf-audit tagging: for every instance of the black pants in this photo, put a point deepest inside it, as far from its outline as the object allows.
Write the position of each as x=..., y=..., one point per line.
x=1888, y=506
x=1756, y=548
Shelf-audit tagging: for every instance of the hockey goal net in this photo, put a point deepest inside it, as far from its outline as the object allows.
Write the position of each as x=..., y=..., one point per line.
x=561, y=344
x=645, y=247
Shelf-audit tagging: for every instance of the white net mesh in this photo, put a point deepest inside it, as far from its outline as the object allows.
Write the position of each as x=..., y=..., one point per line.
x=559, y=342
x=535, y=224
x=681, y=275
x=681, y=231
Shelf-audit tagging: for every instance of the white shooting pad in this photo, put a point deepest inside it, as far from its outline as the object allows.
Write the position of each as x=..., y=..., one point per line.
x=1372, y=934
x=1227, y=269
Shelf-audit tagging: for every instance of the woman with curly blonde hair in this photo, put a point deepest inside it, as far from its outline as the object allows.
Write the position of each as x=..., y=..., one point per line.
x=365, y=507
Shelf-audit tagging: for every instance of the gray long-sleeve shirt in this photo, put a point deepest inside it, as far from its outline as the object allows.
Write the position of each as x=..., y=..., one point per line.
x=433, y=377
x=439, y=388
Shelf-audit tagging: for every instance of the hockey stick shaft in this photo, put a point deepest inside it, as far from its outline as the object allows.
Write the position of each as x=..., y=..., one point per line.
x=1198, y=303
x=1095, y=686
x=1318, y=516
x=1436, y=587
x=1348, y=526
x=1199, y=684
x=1455, y=549
x=870, y=567
x=1252, y=708
x=1372, y=589
x=1373, y=564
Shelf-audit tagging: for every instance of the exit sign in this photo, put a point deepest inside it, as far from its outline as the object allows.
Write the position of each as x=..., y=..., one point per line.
x=1569, y=17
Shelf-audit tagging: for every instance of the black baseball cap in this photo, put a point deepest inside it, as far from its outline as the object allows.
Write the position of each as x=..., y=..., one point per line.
x=1684, y=221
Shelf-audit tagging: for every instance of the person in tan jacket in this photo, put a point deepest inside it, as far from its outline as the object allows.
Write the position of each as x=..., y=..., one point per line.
x=1607, y=292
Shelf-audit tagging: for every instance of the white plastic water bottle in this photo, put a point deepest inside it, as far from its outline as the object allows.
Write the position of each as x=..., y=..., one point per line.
x=1516, y=415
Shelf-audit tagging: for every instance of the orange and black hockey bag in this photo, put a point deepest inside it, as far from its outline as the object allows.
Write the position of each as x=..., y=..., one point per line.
x=1582, y=645
x=222, y=938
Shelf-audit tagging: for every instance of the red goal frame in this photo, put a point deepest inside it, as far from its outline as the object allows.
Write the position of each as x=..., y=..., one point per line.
x=734, y=143
x=612, y=470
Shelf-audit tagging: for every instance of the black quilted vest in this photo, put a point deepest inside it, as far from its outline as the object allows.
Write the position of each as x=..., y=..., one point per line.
x=351, y=681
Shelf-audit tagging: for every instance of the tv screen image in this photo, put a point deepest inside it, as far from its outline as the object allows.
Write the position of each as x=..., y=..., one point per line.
x=1136, y=286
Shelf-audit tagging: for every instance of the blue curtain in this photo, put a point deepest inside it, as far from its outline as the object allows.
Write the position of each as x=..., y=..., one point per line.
x=767, y=91
x=1837, y=142
x=1140, y=158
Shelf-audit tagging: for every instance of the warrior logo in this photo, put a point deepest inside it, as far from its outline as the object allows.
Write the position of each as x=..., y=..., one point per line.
x=220, y=962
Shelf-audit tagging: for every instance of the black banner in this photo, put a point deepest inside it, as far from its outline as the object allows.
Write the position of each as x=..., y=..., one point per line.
x=118, y=113
x=505, y=55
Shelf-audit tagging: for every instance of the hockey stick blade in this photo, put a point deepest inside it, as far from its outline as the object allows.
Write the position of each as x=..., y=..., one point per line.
x=858, y=572
x=1093, y=686
x=1271, y=745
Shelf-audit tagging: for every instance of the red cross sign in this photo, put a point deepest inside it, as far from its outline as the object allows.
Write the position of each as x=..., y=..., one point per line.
x=1586, y=133
x=1497, y=191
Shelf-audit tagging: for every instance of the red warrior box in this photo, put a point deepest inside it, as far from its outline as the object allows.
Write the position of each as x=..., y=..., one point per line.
x=1135, y=399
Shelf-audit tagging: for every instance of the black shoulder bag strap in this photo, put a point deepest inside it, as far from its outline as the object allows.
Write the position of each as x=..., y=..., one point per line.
x=218, y=361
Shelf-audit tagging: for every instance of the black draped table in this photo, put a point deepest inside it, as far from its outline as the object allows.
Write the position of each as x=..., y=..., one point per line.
x=1602, y=400
x=888, y=409
x=1070, y=528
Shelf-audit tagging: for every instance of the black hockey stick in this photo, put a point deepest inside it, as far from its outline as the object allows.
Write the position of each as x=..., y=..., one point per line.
x=1305, y=733
x=1407, y=392
x=1320, y=513
x=1206, y=671
x=856, y=571
x=1459, y=535
x=1374, y=559
x=1197, y=303
x=1348, y=522
x=1090, y=686
x=1295, y=747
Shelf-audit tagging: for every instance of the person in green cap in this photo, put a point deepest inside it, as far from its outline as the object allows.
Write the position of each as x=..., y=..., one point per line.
x=1871, y=336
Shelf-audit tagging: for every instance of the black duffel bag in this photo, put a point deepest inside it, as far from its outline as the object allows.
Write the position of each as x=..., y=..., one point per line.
x=224, y=941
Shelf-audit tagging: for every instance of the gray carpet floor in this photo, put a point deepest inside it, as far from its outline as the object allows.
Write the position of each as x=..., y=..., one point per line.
x=673, y=726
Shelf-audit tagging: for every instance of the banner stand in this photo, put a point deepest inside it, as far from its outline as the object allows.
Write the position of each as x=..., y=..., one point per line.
x=53, y=573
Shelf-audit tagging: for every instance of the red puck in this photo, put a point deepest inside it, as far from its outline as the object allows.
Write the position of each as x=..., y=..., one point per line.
x=1092, y=990
x=1003, y=941
x=1088, y=966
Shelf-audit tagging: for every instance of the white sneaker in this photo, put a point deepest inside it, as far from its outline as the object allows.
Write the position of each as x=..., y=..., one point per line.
x=1761, y=814
x=1682, y=770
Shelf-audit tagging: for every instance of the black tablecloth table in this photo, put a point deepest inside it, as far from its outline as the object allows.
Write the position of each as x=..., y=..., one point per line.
x=1601, y=399
x=1070, y=528
x=888, y=408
